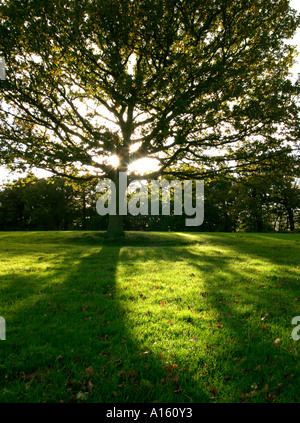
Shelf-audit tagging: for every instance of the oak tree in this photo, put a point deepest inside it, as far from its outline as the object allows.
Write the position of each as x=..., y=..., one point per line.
x=181, y=81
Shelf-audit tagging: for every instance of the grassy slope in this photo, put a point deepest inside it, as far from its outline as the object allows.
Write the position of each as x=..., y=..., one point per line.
x=164, y=317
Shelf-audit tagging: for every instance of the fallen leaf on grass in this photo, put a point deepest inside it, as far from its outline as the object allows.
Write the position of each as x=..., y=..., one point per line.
x=212, y=390
x=178, y=391
x=271, y=396
x=264, y=326
x=90, y=386
x=265, y=316
x=266, y=387
x=84, y=308
x=248, y=395
x=82, y=396
x=28, y=378
x=89, y=371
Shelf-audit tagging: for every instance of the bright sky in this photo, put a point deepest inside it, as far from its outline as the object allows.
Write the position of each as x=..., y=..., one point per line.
x=145, y=165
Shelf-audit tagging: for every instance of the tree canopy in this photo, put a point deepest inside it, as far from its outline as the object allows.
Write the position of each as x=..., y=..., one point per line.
x=179, y=81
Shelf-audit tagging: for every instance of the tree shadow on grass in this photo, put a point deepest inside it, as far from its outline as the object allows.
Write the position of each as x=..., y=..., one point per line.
x=69, y=338
x=245, y=320
x=72, y=335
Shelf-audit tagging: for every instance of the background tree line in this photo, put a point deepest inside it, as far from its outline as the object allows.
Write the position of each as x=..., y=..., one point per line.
x=254, y=201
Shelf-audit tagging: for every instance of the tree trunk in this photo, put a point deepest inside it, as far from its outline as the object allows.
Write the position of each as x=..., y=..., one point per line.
x=115, y=228
x=291, y=219
x=84, y=209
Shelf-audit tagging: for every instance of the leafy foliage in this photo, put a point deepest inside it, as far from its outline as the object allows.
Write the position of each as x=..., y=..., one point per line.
x=53, y=204
x=203, y=83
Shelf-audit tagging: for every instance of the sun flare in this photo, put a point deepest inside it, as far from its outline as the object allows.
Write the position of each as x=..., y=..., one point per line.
x=141, y=166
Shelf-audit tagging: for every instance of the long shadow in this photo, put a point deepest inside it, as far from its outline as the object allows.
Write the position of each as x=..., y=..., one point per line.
x=82, y=348
x=255, y=364
x=69, y=337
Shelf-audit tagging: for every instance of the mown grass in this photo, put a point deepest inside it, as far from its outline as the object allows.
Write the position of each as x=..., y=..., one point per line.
x=159, y=318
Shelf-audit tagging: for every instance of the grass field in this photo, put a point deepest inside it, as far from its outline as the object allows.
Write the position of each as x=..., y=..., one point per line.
x=164, y=317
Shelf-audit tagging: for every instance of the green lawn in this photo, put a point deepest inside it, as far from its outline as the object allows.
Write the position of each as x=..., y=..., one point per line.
x=164, y=317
